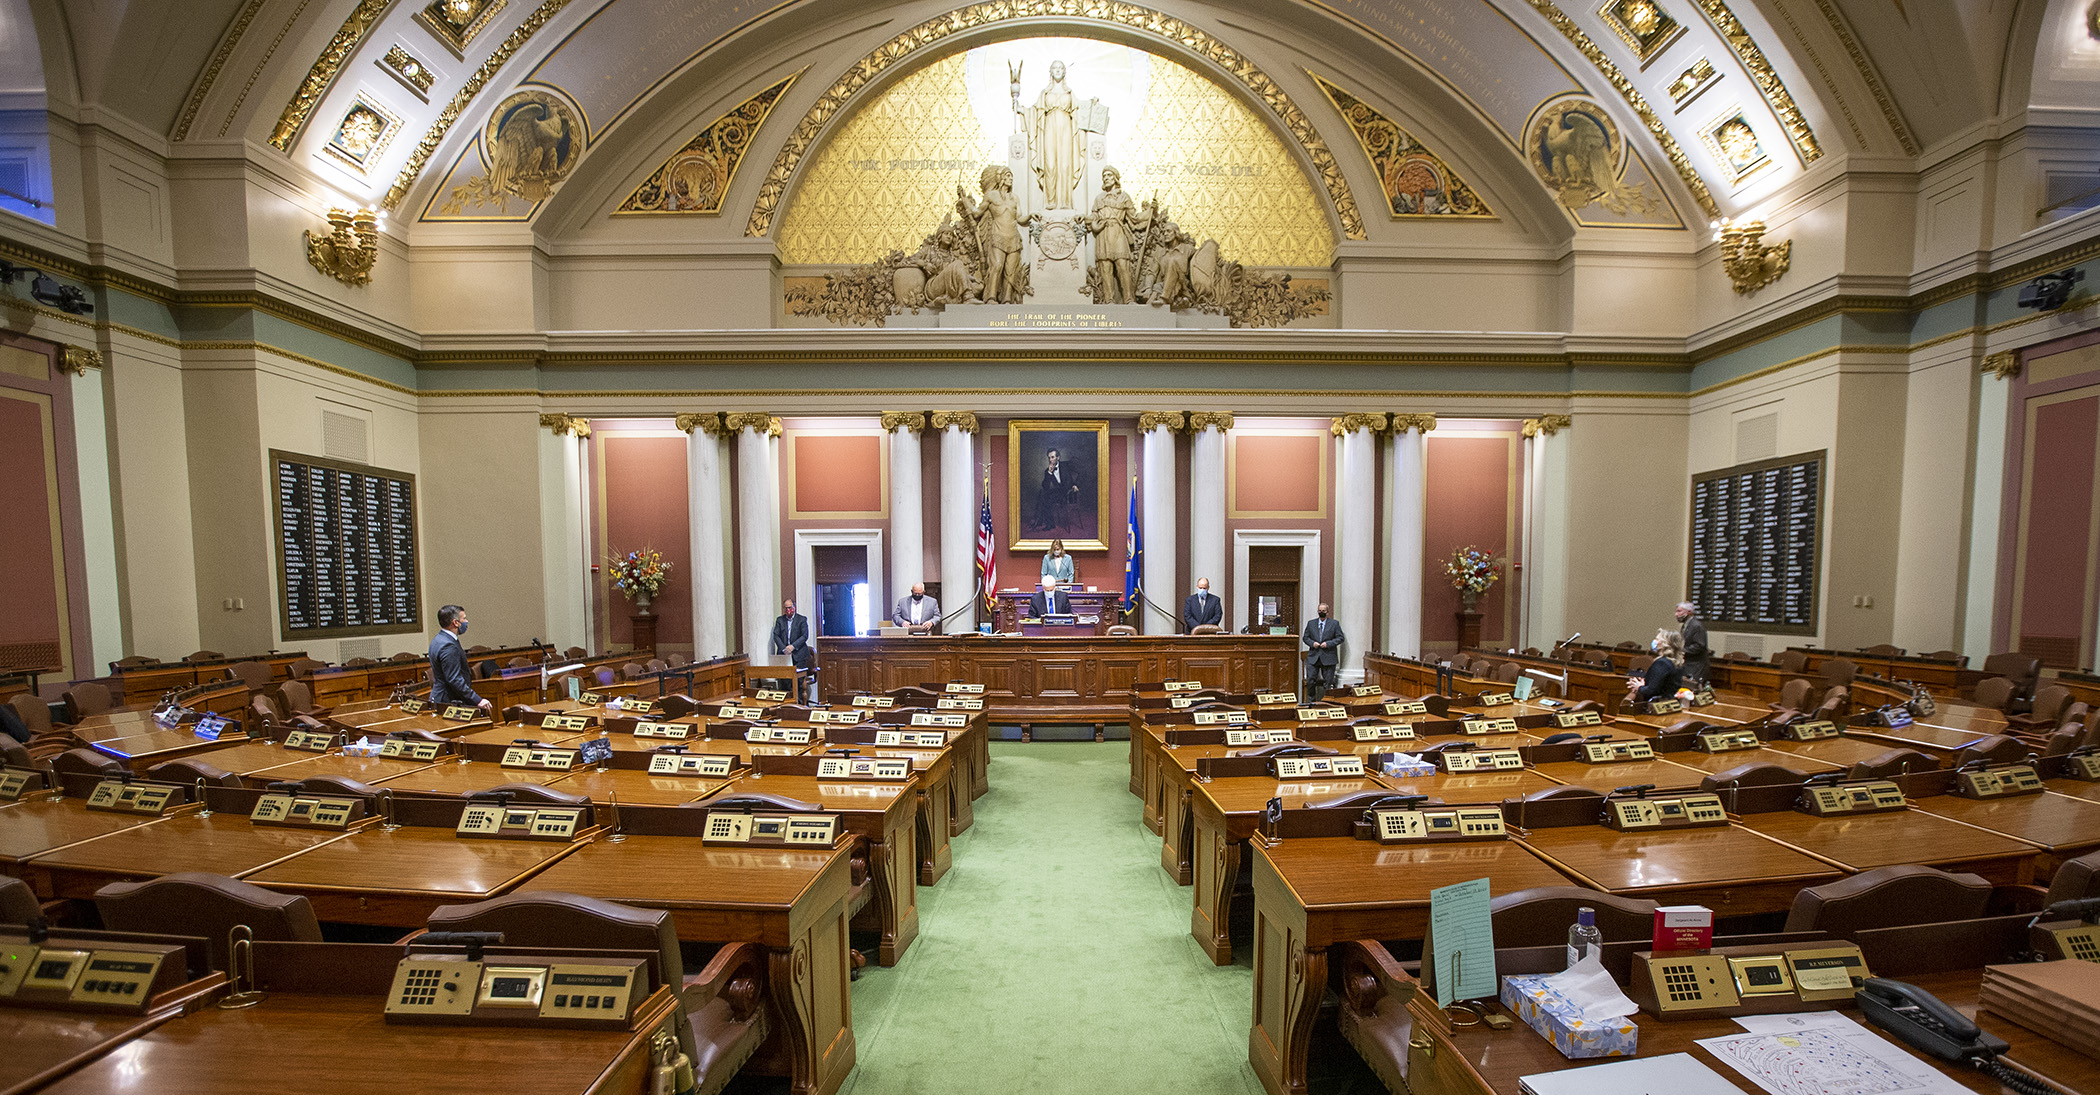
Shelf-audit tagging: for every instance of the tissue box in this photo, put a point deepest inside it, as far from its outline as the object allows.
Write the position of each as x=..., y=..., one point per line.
x=1409, y=766
x=1559, y=1021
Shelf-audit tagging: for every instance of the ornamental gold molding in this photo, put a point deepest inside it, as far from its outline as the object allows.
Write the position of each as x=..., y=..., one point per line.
x=352, y=34
x=195, y=102
x=1751, y=263
x=1422, y=422
x=914, y=421
x=1767, y=81
x=1415, y=180
x=1220, y=421
x=708, y=421
x=2005, y=364
x=695, y=179
x=419, y=158
x=1867, y=72
x=79, y=359
x=565, y=425
x=994, y=12
x=1161, y=420
x=1373, y=422
x=966, y=421
x=758, y=422
x=1651, y=121
x=1546, y=425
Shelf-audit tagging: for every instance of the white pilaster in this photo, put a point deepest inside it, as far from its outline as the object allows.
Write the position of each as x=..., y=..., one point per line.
x=1356, y=545
x=1546, y=573
x=959, y=599
x=564, y=569
x=707, y=500
x=1405, y=493
x=1158, y=428
x=757, y=539
x=907, y=508
x=1986, y=506
x=1207, y=500
x=98, y=515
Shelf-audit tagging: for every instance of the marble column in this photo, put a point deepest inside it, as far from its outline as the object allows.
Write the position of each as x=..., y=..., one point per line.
x=907, y=505
x=1545, y=561
x=1987, y=486
x=1356, y=546
x=564, y=551
x=757, y=541
x=1406, y=490
x=707, y=502
x=959, y=598
x=1207, y=431
x=1157, y=511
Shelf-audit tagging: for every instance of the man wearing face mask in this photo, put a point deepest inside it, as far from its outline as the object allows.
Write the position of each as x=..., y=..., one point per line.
x=918, y=612
x=448, y=661
x=1201, y=608
x=1323, y=640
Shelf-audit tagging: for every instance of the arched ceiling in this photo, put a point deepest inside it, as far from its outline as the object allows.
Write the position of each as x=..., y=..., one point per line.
x=1813, y=80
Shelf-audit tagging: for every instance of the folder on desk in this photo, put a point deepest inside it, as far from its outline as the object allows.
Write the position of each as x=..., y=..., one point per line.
x=1676, y=1073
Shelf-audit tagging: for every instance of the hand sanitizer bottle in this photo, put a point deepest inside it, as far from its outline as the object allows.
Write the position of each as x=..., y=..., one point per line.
x=1584, y=938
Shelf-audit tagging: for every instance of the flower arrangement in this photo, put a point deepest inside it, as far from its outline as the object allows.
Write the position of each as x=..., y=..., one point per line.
x=1472, y=570
x=639, y=574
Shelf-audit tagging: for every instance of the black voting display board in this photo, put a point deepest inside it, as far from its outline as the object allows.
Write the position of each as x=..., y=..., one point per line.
x=1755, y=556
x=346, y=547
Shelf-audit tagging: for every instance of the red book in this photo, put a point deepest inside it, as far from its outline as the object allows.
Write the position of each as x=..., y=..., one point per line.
x=1684, y=928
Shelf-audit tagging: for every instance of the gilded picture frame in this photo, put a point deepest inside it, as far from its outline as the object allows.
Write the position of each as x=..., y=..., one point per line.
x=1077, y=511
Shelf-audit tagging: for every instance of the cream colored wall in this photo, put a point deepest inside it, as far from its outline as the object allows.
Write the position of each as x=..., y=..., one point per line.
x=1624, y=519
x=1862, y=515
x=480, y=514
x=151, y=495
x=224, y=434
x=1939, y=402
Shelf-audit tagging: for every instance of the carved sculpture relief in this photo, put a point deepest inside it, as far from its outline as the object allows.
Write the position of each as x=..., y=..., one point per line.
x=697, y=176
x=530, y=144
x=456, y=22
x=1416, y=181
x=1577, y=151
x=362, y=133
x=1642, y=24
x=1733, y=144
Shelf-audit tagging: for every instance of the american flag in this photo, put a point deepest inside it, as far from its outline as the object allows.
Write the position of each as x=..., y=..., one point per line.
x=987, y=554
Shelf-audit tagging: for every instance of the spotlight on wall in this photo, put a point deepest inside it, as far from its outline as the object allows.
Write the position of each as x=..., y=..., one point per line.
x=2049, y=292
x=66, y=298
x=347, y=252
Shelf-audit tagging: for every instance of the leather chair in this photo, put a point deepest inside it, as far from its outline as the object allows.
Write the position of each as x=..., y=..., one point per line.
x=2075, y=880
x=1895, y=762
x=305, y=668
x=632, y=671
x=538, y=793
x=1121, y=629
x=575, y=653
x=1206, y=629
x=1836, y=704
x=1791, y=661
x=1795, y=695
x=604, y=675
x=2064, y=740
x=360, y=663
x=1996, y=693
x=18, y=903
x=725, y=1022
x=14, y=754
x=1837, y=671
x=133, y=662
x=406, y=656
x=210, y=905
x=475, y=651
x=1628, y=645
x=2046, y=710
x=298, y=699
x=2023, y=670
x=188, y=770
x=656, y=665
x=1540, y=917
x=87, y=762
x=263, y=709
x=35, y=713
x=519, y=663
x=1508, y=672
x=1531, y=652
x=678, y=705
x=1640, y=665
x=203, y=656
x=1995, y=748
x=1889, y=897
x=87, y=698
x=1945, y=656
x=1882, y=650
x=252, y=674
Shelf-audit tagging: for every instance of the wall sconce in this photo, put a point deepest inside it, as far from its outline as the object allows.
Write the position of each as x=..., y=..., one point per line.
x=1751, y=263
x=347, y=252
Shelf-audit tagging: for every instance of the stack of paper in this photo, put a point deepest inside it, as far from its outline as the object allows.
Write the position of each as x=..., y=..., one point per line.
x=1671, y=1074
x=2060, y=999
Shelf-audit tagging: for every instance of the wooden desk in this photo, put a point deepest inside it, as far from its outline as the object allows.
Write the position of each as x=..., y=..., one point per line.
x=1844, y=751
x=30, y=829
x=944, y=809
x=1865, y=841
x=1311, y=894
x=1060, y=680
x=395, y=879
x=1663, y=772
x=1731, y=870
x=1226, y=813
x=464, y=777
x=791, y=902
x=144, y=750
x=633, y=786
x=2061, y=825
x=1011, y=606
x=225, y=843
x=1721, y=762
x=363, y=769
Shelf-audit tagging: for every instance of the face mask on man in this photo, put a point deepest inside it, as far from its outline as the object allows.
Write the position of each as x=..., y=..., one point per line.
x=462, y=627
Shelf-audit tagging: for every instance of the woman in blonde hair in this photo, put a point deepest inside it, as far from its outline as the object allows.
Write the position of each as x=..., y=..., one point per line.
x=1665, y=674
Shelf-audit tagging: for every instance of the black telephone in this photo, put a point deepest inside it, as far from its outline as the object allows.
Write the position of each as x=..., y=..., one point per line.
x=1925, y=1023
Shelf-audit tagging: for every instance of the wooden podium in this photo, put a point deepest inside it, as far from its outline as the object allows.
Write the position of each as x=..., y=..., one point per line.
x=1468, y=630
x=1107, y=604
x=644, y=634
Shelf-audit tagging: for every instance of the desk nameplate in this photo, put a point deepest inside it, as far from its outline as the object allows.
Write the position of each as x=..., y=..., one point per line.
x=1569, y=720
x=1383, y=733
x=410, y=750
x=928, y=739
x=932, y=718
x=779, y=735
x=306, y=811
x=780, y=830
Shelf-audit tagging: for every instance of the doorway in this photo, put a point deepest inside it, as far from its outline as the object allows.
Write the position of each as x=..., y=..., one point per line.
x=842, y=589
x=1272, y=586
x=1281, y=567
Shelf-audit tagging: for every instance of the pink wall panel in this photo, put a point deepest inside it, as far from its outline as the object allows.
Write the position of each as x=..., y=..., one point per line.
x=642, y=492
x=1471, y=500
x=28, y=585
x=1277, y=473
x=2060, y=510
x=837, y=474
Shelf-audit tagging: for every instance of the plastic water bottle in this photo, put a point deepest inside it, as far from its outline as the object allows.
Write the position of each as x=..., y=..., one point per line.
x=1583, y=936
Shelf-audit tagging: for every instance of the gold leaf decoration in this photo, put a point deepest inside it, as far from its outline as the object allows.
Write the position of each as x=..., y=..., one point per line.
x=1416, y=181
x=697, y=176
x=1767, y=81
x=326, y=66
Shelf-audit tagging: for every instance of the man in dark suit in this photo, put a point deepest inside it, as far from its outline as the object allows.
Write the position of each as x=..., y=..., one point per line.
x=1057, y=496
x=1323, y=640
x=1051, y=601
x=448, y=661
x=791, y=637
x=1698, y=660
x=1201, y=608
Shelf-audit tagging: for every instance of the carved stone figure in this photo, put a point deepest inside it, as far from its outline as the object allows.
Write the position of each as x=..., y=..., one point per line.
x=1174, y=288
x=1058, y=124
x=997, y=221
x=1117, y=224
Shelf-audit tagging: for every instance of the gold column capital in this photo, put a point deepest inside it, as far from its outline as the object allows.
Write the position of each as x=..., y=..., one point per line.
x=966, y=421
x=1422, y=422
x=758, y=422
x=1374, y=421
x=565, y=425
x=2005, y=364
x=892, y=421
x=1155, y=420
x=78, y=359
x=1546, y=425
x=709, y=421
x=1207, y=420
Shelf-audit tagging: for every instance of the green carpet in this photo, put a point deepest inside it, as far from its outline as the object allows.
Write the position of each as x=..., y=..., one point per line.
x=1055, y=955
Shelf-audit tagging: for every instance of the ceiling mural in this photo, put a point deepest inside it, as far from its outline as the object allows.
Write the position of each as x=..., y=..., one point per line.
x=1416, y=181
x=696, y=178
x=529, y=145
x=889, y=173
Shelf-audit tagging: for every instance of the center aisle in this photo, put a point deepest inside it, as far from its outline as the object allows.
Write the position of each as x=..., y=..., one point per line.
x=1055, y=955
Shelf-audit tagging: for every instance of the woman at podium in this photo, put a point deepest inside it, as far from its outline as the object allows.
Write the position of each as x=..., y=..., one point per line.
x=1058, y=565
